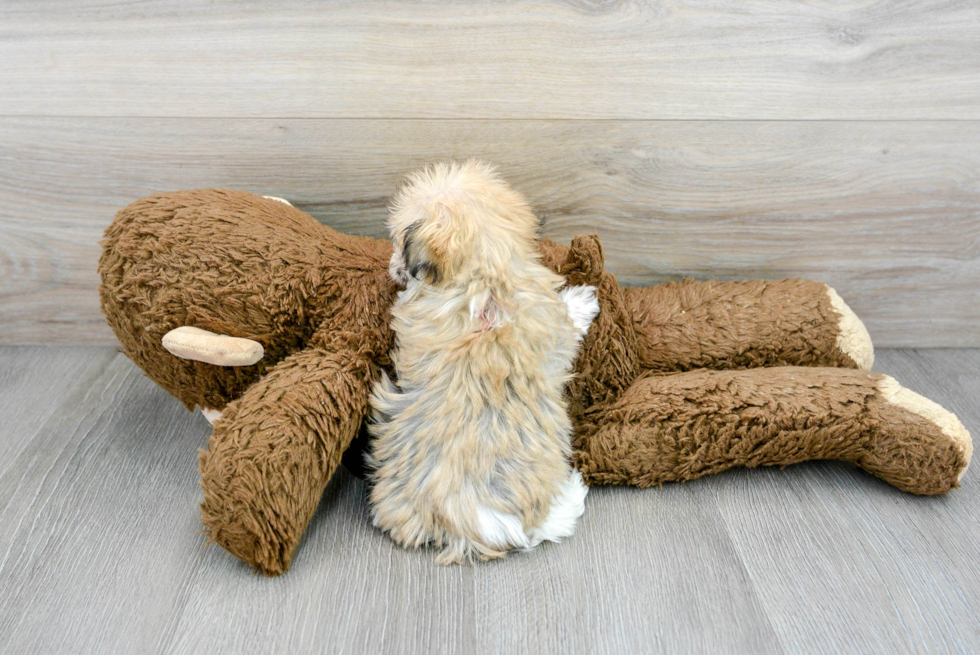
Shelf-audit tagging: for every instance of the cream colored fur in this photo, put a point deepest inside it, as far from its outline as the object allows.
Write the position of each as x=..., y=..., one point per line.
x=471, y=445
x=582, y=307
x=853, y=340
x=945, y=420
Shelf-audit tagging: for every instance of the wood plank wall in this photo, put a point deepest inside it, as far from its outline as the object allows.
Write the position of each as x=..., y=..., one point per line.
x=698, y=138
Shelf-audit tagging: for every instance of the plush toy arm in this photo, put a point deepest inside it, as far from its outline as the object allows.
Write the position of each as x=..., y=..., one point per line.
x=682, y=426
x=276, y=447
x=719, y=325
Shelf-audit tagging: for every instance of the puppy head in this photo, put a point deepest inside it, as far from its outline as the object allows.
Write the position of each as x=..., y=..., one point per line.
x=449, y=221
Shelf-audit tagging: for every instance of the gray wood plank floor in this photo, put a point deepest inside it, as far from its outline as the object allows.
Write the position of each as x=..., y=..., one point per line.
x=100, y=549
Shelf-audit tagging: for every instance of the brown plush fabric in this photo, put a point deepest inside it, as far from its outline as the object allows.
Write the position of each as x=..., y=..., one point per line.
x=237, y=264
x=728, y=325
x=274, y=450
x=608, y=361
x=318, y=302
x=670, y=428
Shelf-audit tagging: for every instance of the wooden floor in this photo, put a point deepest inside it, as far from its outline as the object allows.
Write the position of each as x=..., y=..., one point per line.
x=100, y=549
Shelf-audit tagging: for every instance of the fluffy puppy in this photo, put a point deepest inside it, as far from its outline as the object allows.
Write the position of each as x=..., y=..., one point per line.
x=471, y=445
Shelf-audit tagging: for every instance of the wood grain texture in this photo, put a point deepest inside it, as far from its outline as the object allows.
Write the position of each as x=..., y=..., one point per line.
x=88, y=513
x=33, y=385
x=886, y=212
x=846, y=563
x=670, y=59
x=100, y=550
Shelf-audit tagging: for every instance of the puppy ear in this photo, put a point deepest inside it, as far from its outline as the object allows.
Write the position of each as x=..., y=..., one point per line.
x=417, y=260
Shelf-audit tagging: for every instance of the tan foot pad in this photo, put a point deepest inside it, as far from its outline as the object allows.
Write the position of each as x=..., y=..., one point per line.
x=210, y=348
x=853, y=340
x=945, y=420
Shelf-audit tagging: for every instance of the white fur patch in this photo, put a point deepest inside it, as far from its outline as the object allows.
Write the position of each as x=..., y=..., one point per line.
x=583, y=306
x=567, y=507
x=285, y=202
x=501, y=530
x=505, y=531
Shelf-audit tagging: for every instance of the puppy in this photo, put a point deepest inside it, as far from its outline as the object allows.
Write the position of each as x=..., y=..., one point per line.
x=471, y=445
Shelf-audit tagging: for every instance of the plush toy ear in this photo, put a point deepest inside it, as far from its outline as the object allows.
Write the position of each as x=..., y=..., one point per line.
x=585, y=263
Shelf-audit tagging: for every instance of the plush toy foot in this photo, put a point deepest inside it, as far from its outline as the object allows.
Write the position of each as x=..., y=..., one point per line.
x=853, y=339
x=923, y=448
x=682, y=426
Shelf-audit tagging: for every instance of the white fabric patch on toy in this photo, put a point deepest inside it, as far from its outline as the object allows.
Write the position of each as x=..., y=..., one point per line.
x=211, y=415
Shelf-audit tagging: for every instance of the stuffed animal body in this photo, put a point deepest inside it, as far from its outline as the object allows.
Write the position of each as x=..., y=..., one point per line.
x=672, y=382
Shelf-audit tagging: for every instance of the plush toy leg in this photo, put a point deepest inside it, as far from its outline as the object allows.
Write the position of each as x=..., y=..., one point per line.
x=682, y=426
x=686, y=325
x=274, y=450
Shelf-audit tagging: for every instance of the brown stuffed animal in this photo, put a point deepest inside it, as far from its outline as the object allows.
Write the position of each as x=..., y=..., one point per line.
x=282, y=324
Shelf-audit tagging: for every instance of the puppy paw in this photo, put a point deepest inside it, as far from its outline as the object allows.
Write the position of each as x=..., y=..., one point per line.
x=583, y=306
x=567, y=506
x=499, y=530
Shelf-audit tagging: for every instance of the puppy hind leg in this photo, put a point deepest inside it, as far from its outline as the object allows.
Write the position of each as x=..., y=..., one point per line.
x=500, y=530
x=497, y=534
x=212, y=415
x=567, y=507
